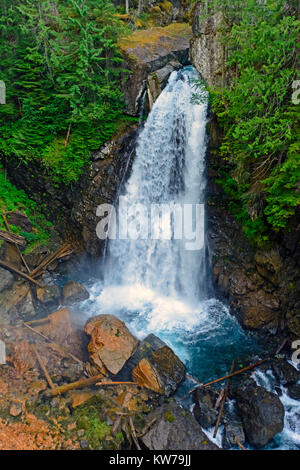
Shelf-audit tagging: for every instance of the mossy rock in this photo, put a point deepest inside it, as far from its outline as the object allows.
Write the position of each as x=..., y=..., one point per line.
x=156, y=11
x=166, y=6
x=91, y=418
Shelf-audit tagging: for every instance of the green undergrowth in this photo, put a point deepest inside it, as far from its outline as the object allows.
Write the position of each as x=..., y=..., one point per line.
x=12, y=199
x=97, y=432
x=259, y=165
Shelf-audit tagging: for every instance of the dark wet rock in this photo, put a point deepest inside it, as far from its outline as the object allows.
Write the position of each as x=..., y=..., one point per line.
x=284, y=372
x=233, y=429
x=72, y=208
x=262, y=290
x=21, y=220
x=147, y=346
x=157, y=80
x=74, y=292
x=204, y=412
x=26, y=308
x=162, y=371
x=175, y=429
x=73, y=372
x=6, y=279
x=83, y=444
x=206, y=47
x=261, y=412
x=49, y=296
x=294, y=391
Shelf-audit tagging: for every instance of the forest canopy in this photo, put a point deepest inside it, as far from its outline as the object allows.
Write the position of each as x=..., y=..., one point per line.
x=62, y=69
x=259, y=119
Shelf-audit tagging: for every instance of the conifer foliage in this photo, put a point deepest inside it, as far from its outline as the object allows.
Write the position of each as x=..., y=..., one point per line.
x=258, y=116
x=62, y=69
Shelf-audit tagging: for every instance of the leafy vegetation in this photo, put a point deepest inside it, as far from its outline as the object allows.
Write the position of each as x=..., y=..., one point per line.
x=259, y=120
x=96, y=431
x=62, y=68
x=12, y=199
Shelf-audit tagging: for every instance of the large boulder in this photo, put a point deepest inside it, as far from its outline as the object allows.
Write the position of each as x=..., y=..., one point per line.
x=49, y=296
x=74, y=292
x=204, y=409
x=162, y=371
x=111, y=343
x=147, y=346
x=65, y=328
x=261, y=412
x=6, y=279
x=233, y=430
x=175, y=429
x=25, y=307
x=284, y=372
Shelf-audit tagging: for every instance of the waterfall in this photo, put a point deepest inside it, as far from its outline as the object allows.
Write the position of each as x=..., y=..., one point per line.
x=168, y=170
x=157, y=285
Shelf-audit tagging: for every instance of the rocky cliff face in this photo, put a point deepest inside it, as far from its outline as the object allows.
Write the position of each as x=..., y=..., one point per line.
x=73, y=208
x=146, y=54
x=207, y=53
x=262, y=286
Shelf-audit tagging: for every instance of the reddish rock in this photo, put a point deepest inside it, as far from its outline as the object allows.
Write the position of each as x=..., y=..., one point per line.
x=36, y=387
x=64, y=328
x=161, y=372
x=111, y=343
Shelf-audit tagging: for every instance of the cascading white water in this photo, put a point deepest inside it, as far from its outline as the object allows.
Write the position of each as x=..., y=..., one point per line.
x=168, y=169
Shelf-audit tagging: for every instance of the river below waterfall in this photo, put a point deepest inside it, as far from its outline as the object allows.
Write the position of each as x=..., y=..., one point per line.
x=158, y=285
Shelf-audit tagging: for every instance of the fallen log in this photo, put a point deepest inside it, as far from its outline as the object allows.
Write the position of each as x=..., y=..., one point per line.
x=64, y=250
x=12, y=238
x=117, y=383
x=192, y=379
x=9, y=267
x=133, y=433
x=219, y=399
x=43, y=367
x=40, y=321
x=232, y=374
x=86, y=382
x=78, y=384
x=239, y=444
x=224, y=399
x=147, y=427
